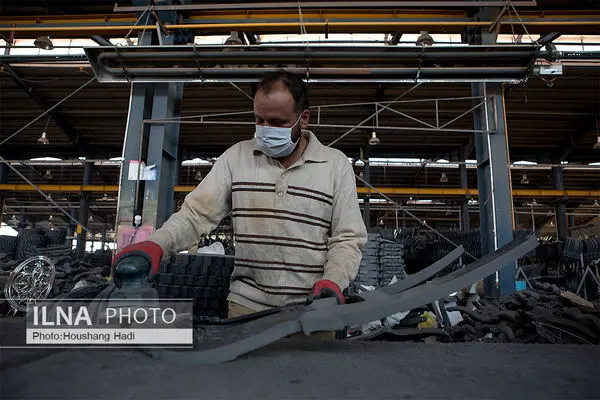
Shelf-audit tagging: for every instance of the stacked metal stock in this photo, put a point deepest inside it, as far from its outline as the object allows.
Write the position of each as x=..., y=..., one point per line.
x=382, y=259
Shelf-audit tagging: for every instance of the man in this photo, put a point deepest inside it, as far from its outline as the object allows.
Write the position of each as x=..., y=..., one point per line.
x=297, y=224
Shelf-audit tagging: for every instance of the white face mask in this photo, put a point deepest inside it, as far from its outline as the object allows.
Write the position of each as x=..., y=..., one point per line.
x=275, y=141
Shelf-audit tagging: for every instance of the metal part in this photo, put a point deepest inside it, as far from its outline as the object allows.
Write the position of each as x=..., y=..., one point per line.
x=221, y=343
x=30, y=282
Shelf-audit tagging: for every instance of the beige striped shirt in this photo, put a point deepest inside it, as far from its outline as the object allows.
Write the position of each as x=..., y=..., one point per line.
x=292, y=226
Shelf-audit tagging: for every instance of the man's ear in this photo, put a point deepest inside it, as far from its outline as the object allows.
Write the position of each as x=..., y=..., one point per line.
x=304, y=119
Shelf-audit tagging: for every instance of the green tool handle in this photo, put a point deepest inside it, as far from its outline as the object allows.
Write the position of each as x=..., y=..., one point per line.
x=132, y=272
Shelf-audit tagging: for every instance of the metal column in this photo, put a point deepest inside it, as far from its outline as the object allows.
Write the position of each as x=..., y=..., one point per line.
x=367, y=178
x=571, y=224
x=155, y=145
x=162, y=155
x=493, y=180
x=560, y=207
x=3, y=179
x=465, y=221
x=84, y=210
x=493, y=174
x=103, y=240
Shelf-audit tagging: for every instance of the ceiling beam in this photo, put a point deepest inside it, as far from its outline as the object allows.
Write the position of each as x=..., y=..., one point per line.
x=396, y=36
x=468, y=147
x=80, y=144
x=101, y=40
x=417, y=174
x=548, y=38
x=251, y=38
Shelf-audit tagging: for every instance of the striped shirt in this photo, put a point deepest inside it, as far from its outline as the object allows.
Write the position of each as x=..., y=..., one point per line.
x=292, y=227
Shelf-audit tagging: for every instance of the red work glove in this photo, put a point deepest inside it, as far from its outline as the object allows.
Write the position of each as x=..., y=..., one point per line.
x=326, y=288
x=151, y=251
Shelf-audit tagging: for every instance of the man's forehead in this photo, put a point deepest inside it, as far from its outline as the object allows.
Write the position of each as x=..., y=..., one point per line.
x=274, y=101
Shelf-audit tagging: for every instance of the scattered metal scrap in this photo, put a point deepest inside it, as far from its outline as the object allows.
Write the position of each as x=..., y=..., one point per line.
x=544, y=315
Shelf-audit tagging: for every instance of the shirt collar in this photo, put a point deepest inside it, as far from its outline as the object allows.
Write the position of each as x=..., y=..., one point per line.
x=314, y=152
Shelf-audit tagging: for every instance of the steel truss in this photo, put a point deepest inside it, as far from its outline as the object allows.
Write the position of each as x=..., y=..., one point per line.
x=380, y=107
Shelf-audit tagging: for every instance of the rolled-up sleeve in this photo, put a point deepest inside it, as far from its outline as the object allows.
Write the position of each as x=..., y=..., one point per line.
x=348, y=231
x=201, y=211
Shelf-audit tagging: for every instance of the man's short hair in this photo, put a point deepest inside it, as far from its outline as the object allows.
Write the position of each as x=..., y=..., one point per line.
x=292, y=82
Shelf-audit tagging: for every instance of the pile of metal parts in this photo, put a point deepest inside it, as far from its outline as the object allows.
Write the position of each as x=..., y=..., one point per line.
x=544, y=315
x=382, y=260
x=15, y=247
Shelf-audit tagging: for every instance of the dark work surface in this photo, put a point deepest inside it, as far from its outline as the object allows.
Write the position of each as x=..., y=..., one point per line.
x=307, y=368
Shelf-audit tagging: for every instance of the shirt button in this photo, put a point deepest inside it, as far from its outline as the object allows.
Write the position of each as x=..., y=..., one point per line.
x=280, y=194
x=282, y=176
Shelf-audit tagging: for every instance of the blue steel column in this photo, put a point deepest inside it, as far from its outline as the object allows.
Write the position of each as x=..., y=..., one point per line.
x=367, y=178
x=162, y=155
x=84, y=210
x=560, y=206
x=130, y=191
x=493, y=174
x=3, y=179
x=465, y=220
x=493, y=180
x=163, y=142
x=571, y=224
x=155, y=145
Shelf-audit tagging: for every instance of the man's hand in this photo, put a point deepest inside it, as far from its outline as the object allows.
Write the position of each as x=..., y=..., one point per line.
x=326, y=288
x=147, y=250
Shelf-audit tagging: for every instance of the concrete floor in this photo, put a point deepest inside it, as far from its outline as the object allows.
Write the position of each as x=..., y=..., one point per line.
x=300, y=368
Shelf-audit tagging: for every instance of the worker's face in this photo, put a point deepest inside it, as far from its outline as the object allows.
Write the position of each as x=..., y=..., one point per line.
x=278, y=108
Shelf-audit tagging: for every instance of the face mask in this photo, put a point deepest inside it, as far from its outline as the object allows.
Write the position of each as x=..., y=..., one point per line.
x=275, y=141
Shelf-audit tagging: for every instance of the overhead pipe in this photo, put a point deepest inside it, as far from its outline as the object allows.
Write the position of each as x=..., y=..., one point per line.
x=260, y=27
x=365, y=73
x=325, y=4
x=283, y=54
